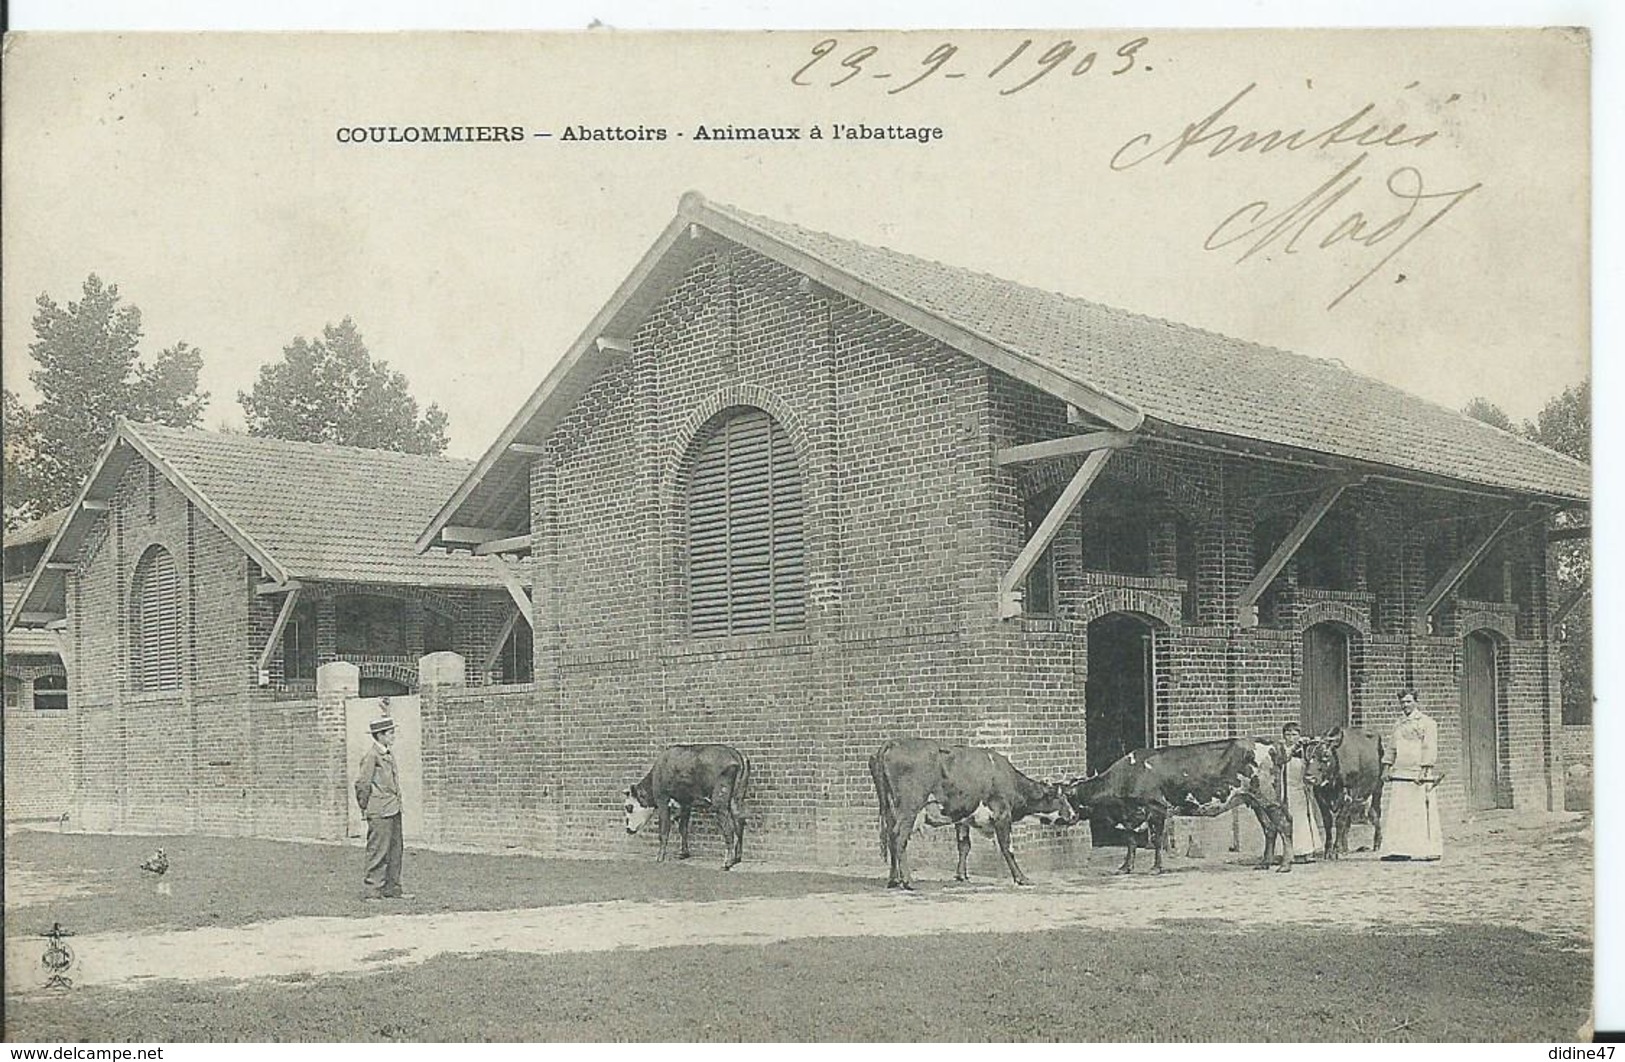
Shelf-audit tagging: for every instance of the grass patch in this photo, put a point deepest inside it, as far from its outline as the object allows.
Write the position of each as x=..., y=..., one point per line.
x=227, y=881
x=1466, y=982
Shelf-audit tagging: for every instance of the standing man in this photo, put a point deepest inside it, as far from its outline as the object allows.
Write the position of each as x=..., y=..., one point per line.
x=1410, y=817
x=378, y=791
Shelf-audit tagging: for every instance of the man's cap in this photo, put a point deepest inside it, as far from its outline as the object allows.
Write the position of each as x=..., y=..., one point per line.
x=378, y=726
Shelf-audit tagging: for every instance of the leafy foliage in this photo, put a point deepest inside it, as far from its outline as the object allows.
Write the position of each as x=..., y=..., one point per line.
x=329, y=389
x=1490, y=413
x=89, y=374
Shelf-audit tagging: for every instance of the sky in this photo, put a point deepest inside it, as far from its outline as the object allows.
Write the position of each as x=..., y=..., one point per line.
x=205, y=177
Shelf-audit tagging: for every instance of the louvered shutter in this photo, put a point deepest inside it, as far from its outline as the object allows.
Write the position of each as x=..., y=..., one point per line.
x=746, y=549
x=157, y=622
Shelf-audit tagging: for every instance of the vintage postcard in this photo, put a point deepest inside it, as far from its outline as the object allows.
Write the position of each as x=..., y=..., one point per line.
x=1043, y=509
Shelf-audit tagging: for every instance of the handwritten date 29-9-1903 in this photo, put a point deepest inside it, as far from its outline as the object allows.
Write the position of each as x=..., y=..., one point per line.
x=1014, y=69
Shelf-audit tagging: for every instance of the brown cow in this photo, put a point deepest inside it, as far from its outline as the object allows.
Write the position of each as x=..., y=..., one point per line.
x=1344, y=771
x=929, y=783
x=1140, y=791
x=689, y=776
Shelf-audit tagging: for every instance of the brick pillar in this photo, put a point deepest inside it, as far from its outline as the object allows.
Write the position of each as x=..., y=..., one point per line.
x=438, y=674
x=335, y=683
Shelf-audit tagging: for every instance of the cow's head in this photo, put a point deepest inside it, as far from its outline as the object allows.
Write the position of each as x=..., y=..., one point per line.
x=1053, y=808
x=1320, y=758
x=1079, y=796
x=639, y=806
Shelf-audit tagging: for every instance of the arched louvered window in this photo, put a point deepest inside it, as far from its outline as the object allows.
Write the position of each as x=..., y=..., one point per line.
x=746, y=553
x=155, y=623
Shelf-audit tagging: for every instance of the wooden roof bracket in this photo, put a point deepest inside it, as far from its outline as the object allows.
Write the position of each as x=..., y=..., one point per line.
x=1247, y=602
x=510, y=581
x=503, y=634
x=1082, y=480
x=282, y=617
x=1458, y=571
x=1577, y=595
x=1064, y=446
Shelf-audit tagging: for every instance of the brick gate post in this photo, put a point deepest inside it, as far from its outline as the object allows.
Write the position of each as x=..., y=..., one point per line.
x=335, y=683
x=439, y=674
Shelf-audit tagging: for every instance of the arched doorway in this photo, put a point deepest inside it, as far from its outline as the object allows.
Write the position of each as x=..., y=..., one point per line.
x=1480, y=694
x=1118, y=698
x=1324, y=693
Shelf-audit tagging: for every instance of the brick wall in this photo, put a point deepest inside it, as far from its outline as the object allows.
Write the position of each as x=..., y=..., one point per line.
x=38, y=750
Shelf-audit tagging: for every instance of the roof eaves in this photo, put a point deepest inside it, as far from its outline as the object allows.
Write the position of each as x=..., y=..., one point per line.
x=76, y=513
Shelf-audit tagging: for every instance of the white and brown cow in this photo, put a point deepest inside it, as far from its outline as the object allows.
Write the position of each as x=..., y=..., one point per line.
x=930, y=783
x=688, y=776
x=1140, y=791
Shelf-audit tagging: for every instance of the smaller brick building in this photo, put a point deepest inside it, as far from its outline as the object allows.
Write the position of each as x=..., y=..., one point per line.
x=36, y=687
x=801, y=494
x=194, y=588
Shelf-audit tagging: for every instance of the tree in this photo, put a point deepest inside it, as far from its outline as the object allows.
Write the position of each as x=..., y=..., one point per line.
x=1564, y=423
x=90, y=373
x=1488, y=412
x=330, y=390
x=20, y=449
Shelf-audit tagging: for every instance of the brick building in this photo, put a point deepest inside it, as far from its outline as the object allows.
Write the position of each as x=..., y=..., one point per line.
x=196, y=585
x=36, y=686
x=801, y=495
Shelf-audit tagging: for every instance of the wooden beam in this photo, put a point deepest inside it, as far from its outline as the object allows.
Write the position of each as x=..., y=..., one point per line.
x=502, y=640
x=38, y=619
x=1459, y=571
x=1009, y=597
x=1575, y=597
x=527, y=449
x=93, y=505
x=1568, y=534
x=520, y=599
x=511, y=544
x=58, y=566
x=1068, y=445
x=274, y=587
x=613, y=346
x=282, y=617
x=1247, y=603
x=459, y=535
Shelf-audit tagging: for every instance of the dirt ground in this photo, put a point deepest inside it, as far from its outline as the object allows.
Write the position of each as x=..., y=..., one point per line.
x=1515, y=870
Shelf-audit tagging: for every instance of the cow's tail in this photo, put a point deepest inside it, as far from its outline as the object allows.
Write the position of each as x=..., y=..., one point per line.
x=877, y=771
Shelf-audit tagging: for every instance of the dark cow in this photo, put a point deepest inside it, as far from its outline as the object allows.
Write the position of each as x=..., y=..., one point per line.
x=1140, y=791
x=689, y=776
x=1344, y=770
x=922, y=782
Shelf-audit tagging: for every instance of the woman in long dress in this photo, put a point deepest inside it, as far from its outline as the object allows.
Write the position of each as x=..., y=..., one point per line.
x=1410, y=807
x=1307, y=838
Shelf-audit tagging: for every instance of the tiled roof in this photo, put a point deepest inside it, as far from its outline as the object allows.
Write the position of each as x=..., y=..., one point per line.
x=1197, y=379
x=40, y=530
x=324, y=512
x=19, y=641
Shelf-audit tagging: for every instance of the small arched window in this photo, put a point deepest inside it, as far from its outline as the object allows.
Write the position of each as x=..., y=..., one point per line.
x=155, y=622
x=746, y=552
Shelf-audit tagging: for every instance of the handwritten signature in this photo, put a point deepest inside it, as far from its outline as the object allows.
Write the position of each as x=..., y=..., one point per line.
x=1409, y=209
x=1022, y=62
